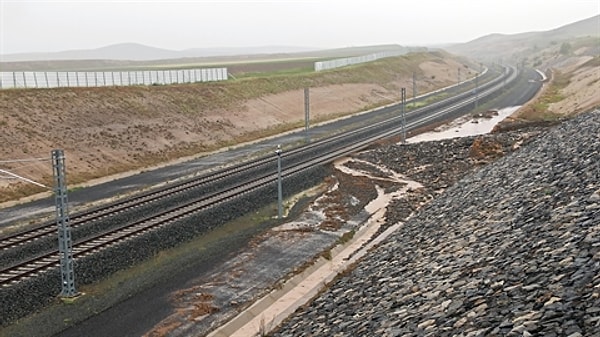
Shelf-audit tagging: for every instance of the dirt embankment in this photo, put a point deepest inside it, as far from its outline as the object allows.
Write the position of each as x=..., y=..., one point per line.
x=106, y=131
x=572, y=87
x=581, y=93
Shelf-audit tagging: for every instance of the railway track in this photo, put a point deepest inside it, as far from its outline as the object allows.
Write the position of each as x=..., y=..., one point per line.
x=248, y=177
x=77, y=220
x=204, y=183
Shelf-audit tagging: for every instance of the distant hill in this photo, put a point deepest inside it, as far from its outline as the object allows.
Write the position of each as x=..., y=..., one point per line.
x=515, y=46
x=131, y=55
x=140, y=52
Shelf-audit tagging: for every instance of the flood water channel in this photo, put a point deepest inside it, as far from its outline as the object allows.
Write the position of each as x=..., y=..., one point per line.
x=275, y=306
x=465, y=127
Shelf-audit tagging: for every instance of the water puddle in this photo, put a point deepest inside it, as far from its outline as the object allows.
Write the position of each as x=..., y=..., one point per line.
x=464, y=127
x=383, y=199
x=312, y=217
x=272, y=309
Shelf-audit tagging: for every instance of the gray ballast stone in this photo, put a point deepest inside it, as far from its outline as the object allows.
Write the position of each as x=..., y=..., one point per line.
x=510, y=250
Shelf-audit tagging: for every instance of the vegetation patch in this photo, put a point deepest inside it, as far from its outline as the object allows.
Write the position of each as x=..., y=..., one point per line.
x=538, y=109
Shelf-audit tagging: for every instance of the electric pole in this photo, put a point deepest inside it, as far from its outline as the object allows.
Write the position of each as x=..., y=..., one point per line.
x=402, y=110
x=65, y=244
x=279, y=192
x=476, y=90
x=414, y=87
x=307, y=114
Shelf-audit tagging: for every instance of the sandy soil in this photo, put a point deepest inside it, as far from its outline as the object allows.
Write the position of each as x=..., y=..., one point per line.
x=107, y=131
x=582, y=92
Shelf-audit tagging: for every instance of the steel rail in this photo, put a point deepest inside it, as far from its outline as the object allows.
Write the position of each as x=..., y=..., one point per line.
x=100, y=240
x=48, y=229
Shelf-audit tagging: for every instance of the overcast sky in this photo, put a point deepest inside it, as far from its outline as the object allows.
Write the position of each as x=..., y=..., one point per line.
x=46, y=25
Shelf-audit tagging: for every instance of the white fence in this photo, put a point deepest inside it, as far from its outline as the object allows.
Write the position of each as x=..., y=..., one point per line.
x=39, y=79
x=337, y=63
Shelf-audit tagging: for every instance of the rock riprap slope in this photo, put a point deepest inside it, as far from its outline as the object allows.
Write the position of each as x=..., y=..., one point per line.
x=511, y=250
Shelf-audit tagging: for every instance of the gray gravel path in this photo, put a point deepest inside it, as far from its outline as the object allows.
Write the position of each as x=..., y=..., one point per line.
x=511, y=250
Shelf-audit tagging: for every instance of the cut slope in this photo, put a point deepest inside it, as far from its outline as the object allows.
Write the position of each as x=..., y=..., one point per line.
x=110, y=130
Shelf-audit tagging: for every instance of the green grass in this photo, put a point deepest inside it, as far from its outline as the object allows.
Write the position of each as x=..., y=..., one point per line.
x=435, y=98
x=378, y=72
x=346, y=237
x=415, y=105
x=284, y=72
x=538, y=110
x=588, y=41
x=76, y=188
x=218, y=64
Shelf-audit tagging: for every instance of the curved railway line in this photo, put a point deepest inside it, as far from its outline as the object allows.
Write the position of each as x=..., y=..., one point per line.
x=215, y=188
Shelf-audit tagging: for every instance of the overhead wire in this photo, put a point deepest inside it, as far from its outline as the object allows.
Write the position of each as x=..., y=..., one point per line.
x=10, y=175
x=23, y=178
x=23, y=160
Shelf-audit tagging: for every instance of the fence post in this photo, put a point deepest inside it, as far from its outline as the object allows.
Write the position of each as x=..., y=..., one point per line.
x=46, y=77
x=57, y=80
x=24, y=79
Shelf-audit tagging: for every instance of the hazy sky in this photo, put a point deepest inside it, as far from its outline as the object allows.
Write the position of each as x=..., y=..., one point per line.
x=46, y=25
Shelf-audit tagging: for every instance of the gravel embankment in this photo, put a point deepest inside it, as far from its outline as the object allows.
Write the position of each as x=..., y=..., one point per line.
x=511, y=250
x=343, y=207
